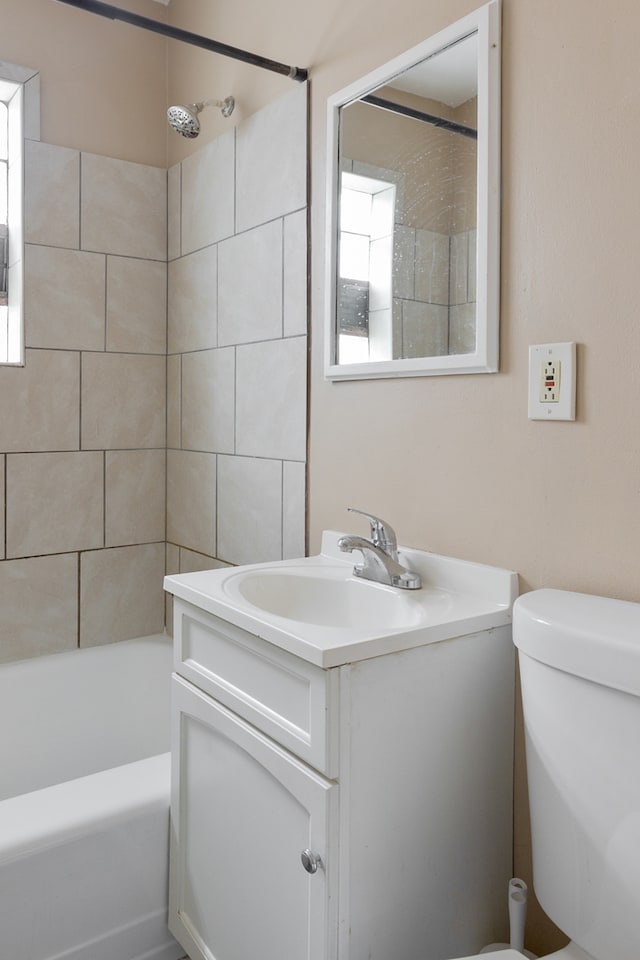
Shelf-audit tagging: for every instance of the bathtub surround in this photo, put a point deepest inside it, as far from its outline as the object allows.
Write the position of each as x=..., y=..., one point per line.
x=85, y=475
x=237, y=345
x=83, y=430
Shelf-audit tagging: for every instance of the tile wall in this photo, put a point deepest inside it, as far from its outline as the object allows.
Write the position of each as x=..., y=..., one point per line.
x=82, y=430
x=237, y=344
x=160, y=419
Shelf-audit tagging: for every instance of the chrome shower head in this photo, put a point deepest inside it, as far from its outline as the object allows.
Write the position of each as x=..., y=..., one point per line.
x=184, y=120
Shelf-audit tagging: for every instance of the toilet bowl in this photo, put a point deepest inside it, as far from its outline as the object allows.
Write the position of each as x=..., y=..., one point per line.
x=579, y=660
x=570, y=952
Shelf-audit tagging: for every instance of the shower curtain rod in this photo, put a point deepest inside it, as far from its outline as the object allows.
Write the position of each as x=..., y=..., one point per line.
x=175, y=33
x=450, y=125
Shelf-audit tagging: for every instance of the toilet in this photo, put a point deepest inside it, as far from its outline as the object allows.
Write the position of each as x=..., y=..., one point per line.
x=579, y=662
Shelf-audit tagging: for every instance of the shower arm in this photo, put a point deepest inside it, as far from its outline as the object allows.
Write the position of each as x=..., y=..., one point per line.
x=175, y=33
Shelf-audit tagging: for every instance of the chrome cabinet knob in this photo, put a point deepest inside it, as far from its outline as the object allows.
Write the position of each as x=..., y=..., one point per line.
x=310, y=861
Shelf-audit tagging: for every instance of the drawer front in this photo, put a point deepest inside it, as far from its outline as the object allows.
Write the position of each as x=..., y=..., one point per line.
x=292, y=701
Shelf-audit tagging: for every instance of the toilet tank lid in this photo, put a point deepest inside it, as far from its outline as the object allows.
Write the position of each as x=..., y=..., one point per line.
x=596, y=638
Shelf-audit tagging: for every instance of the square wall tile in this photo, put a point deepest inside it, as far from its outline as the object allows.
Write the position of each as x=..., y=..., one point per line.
x=174, y=390
x=425, y=329
x=208, y=400
x=39, y=603
x=134, y=496
x=124, y=208
x=54, y=503
x=44, y=400
x=293, y=510
x=123, y=401
x=64, y=298
x=250, y=286
x=136, y=305
x=191, y=500
x=172, y=565
x=272, y=160
x=295, y=275
x=208, y=183
x=271, y=415
x=172, y=559
x=190, y=562
x=121, y=593
x=432, y=267
x=459, y=268
x=249, y=510
x=52, y=195
x=174, y=188
x=193, y=301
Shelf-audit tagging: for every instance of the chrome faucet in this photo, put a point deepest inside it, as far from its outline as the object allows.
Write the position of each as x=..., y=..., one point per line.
x=380, y=555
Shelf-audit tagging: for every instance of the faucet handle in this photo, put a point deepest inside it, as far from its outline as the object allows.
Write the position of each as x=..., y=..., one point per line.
x=382, y=533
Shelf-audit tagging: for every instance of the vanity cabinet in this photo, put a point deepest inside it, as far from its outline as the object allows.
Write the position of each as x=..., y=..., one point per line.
x=360, y=811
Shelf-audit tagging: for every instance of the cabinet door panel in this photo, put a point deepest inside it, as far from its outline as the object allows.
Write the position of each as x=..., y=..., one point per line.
x=242, y=811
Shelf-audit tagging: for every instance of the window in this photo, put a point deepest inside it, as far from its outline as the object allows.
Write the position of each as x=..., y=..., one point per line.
x=19, y=117
x=4, y=230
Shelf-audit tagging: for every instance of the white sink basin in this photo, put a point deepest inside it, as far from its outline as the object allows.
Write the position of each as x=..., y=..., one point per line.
x=326, y=598
x=316, y=608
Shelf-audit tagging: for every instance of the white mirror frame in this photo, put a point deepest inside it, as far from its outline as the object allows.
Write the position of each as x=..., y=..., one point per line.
x=486, y=23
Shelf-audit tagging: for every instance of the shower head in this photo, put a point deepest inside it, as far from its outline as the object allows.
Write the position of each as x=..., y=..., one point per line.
x=184, y=120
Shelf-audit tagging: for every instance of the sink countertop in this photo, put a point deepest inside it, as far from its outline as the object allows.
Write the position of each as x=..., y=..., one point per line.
x=466, y=598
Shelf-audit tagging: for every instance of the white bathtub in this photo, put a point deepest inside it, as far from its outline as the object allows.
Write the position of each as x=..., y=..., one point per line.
x=84, y=804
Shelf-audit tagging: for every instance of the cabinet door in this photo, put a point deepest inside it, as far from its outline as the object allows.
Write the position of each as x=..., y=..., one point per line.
x=243, y=810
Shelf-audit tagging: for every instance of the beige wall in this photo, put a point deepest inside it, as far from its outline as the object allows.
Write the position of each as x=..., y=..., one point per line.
x=103, y=82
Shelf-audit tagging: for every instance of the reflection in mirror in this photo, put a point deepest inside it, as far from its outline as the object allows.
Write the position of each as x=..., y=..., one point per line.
x=410, y=202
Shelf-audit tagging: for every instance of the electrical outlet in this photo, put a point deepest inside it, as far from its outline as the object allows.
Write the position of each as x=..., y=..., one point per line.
x=552, y=381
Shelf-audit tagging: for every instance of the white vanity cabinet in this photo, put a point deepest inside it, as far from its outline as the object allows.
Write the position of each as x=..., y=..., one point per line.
x=389, y=775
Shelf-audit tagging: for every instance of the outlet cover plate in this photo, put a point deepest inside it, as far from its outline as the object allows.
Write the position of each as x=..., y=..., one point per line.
x=565, y=407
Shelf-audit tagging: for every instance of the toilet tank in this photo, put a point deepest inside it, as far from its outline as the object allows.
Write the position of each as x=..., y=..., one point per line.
x=580, y=673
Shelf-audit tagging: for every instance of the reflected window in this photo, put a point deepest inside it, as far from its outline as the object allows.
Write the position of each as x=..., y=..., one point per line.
x=365, y=269
x=11, y=146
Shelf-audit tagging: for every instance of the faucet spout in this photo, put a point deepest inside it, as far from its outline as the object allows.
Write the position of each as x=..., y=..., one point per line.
x=378, y=565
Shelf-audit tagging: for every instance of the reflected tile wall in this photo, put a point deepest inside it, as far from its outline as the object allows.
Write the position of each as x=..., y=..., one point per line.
x=434, y=285
x=83, y=450
x=237, y=360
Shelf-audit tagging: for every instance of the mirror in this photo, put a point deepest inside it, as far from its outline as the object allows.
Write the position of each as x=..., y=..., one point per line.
x=413, y=210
